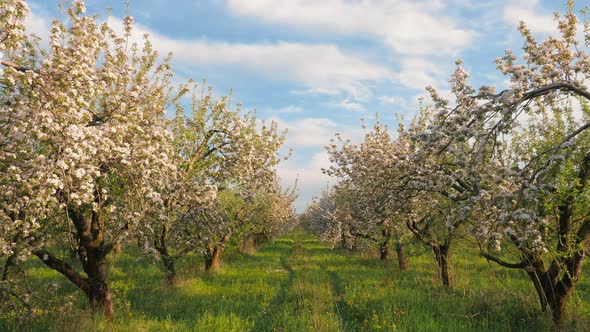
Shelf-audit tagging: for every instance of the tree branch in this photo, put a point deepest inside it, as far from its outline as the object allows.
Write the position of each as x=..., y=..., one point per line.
x=555, y=86
x=497, y=260
x=64, y=268
x=555, y=149
x=17, y=67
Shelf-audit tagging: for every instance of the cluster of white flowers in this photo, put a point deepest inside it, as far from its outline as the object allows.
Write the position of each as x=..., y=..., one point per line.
x=85, y=142
x=513, y=167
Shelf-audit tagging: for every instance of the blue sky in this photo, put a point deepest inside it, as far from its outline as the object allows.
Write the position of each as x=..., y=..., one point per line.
x=320, y=66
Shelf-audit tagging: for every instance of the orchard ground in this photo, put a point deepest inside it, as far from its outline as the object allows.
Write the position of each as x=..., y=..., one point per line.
x=297, y=283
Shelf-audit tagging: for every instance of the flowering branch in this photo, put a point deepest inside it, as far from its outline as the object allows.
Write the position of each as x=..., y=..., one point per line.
x=16, y=66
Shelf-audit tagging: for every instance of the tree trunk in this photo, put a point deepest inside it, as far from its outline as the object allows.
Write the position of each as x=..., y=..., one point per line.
x=248, y=245
x=557, y=282
x=259, y=239
x=95, y=286
x=557, y=305
x=385, y=250
x=550, y=295
x=170, y=266
x=10, y=262
x=345, y=243
x=553, y=285
x=552, y=290
x=99, y=292
x=441, y=254
x=213, y=258
x=92, y=250
x=161, y=244
x=536, y=278
x=117, y=248
x=401, y=257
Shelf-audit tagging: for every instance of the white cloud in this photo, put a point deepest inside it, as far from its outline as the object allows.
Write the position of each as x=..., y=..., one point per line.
x=323, y=68
x=308, y=172
x=308, y=136
x=387, y=99
x=320, y=68
x=408, y=27
x=309, y=132
x=527, y=11
x=38, y=23
x=537, y=20
x=418, y=73
x=351, y=106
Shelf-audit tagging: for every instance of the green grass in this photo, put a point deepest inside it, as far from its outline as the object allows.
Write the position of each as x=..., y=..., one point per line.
x=299, y=284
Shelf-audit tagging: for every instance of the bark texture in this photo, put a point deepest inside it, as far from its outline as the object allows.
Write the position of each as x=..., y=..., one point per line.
x=441, y=254
x=401, y=257
x=385, y=250
x=213, y=255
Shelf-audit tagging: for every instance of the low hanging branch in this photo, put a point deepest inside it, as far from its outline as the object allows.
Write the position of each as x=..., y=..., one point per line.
x=17, y=67
x=497, y=260
x=62, y=267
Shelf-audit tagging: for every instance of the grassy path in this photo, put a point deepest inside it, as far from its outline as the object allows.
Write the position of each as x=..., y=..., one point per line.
x=299, y=284
x=305, y=300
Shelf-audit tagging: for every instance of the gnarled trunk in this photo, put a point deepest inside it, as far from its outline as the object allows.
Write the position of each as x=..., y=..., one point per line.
x=92, y=253
x=213, y=258
x=161, y=244
x=553, y=285
x=95, y=286
x=99, y=293
x=347, y=242
x=117, y=248
x=401, y=257
x=552, y=290
x=441, y=254
x=385, y=250
x=170, y=266
x=213, y=255
x=10, y=262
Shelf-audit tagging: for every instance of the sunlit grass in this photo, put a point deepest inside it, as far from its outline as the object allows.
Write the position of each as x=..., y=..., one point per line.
x=299, y=284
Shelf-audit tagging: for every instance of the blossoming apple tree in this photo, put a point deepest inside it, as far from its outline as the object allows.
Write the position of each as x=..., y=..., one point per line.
x=524, y=153
x=364, y=168
x=83, y=142
x=272, y=215
x=216, y=149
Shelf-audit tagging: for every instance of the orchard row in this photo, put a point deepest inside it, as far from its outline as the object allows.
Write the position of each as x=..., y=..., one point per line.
x=509, y=169
x=99, y=149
